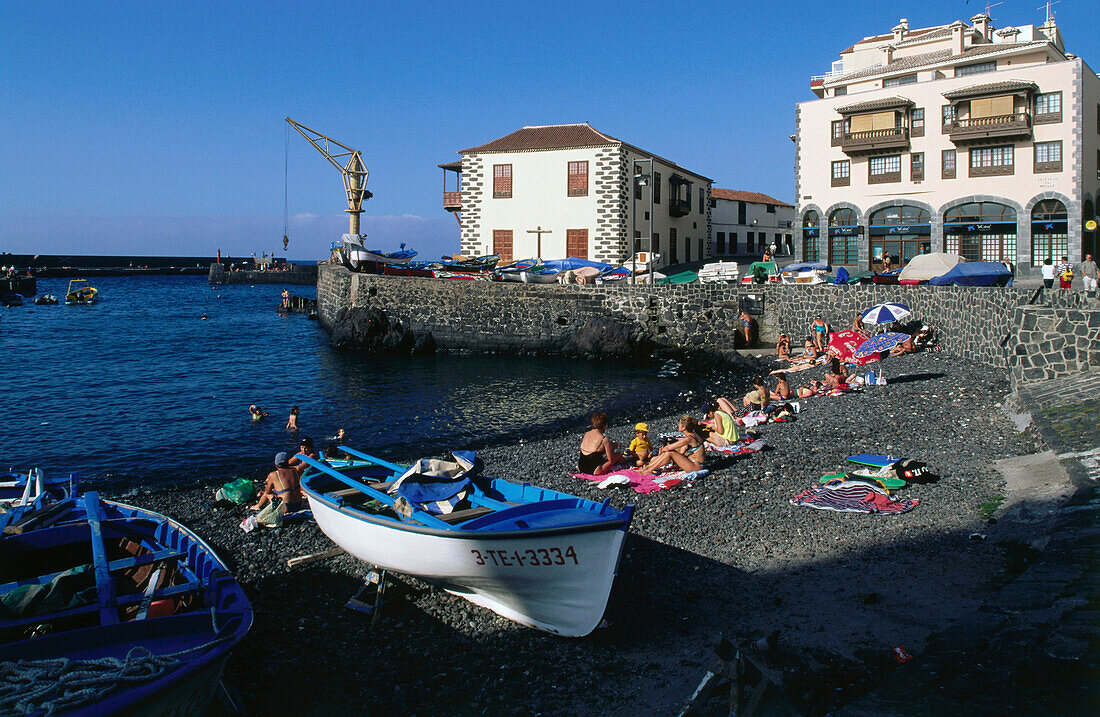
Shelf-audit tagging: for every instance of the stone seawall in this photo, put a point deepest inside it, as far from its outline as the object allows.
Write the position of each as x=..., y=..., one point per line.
x=297, y=274
x=1033, y=334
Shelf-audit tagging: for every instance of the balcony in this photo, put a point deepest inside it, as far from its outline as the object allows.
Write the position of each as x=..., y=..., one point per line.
x=679, y=207
x=452, y=201
x=874, y=140
x=1013, y=126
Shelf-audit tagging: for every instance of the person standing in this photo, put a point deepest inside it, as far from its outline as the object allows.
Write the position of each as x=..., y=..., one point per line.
x=1065, y=273
x=1088, y=273
x=887, y=261
x=292, y=420
x=1048, y=273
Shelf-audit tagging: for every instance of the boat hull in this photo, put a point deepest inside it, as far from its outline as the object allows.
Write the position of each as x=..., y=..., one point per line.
x=531, y=277
x=556, y=581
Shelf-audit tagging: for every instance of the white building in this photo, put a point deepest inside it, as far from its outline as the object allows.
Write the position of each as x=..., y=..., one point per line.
x=744, y=223
x=958, y=138
x=567, y=190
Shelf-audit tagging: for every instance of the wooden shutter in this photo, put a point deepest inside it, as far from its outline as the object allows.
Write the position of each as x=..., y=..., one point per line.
x=502, y=181
x=991, y=106
x=862, y=123
x=578, y=179
x=576, y=243
x=502, y=244
x=883, y=120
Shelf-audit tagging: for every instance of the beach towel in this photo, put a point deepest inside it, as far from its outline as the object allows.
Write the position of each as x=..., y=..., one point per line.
x=642, y=483
x=848, y=496
x=740, y=448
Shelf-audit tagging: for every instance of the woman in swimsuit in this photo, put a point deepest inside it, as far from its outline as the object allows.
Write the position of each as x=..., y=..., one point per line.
x=597, y=450
x=782, y=389
x=292, y=420
x=820, y=333
x=688, y=453
x=810, y=389
x=283, y=483
x=257, y=412
x=783, y=348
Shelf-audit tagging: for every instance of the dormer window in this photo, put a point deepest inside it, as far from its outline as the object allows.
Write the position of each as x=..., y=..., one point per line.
x=976, y=69
x=899, y=81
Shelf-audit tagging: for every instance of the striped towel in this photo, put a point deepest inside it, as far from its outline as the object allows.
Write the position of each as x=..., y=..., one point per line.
x=740, y=448
x=850, y=496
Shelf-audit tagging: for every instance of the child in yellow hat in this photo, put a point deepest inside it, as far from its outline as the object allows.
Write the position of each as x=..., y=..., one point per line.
x=640, y=448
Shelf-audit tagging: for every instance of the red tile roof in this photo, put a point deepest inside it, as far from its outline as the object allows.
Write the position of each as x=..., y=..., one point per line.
x=555, y=136
x=737, y=195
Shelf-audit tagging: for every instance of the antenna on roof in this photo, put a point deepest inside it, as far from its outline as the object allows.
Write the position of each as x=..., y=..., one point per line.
x=989, y=6
x=1049, y=9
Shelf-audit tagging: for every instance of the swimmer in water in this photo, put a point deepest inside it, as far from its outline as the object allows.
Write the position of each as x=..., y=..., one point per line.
x=204, y=316
x=341, y=436
x=292, y=420
x=257, y=412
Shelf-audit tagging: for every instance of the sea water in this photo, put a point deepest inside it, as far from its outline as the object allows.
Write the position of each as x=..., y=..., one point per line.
x=139, y=386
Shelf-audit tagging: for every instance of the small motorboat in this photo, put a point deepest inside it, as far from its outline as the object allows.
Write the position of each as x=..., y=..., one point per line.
x=11, y=300
x=46, y=300
x=806, y=272
x=720, y=272
x=514, y=271
x=80, y=292
x=355, y=256
x=761, y=272
x=536, y=556
x=110, y=609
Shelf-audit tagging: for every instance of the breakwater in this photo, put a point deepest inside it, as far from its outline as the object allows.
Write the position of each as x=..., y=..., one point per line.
x=303, y=274
x=1033, y=334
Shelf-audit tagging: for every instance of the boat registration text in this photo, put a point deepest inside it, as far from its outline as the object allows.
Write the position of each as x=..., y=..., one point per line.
x=535, y=557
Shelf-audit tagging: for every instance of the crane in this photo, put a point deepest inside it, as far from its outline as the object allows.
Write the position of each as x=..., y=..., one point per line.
x=354, y=172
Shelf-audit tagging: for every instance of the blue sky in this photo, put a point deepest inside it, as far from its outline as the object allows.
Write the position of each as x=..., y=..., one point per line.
x=157, y=128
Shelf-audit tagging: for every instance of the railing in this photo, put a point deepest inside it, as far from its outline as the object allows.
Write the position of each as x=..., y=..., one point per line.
x=452, y=201
x=996, y=126
x=876, y=139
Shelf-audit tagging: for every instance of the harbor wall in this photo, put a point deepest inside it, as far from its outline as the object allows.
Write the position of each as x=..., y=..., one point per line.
x=303, y=274
x=1031, y=333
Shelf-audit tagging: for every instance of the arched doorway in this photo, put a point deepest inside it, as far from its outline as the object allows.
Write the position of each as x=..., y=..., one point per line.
x=844, y=237
x=1049, y=232
x=980, y=231
x=903, y=231
x=810, y=235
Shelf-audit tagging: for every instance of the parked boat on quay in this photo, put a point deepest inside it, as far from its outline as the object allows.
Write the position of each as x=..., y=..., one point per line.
x=542, y=558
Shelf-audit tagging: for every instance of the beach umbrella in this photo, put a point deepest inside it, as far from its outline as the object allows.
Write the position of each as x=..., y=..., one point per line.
x=885, y=314
x=877, y=344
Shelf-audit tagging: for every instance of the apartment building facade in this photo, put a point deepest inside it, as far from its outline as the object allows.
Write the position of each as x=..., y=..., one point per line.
x=743, y=223
x=958, y=138
x=570, y=190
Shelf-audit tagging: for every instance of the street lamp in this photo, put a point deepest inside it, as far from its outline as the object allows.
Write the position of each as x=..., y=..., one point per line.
x=640, y=180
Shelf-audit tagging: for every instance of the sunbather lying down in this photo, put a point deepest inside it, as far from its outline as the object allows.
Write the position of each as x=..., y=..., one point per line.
x=688, y=453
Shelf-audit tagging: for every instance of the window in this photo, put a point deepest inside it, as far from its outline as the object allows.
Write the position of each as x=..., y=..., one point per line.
x=976, y=69
x=637, y=187
x=809, y=249
x=842, y=171
x=843, y=250
x=840, y=91
x=1048, y=156
x=989, y=107
x=749, y=242
x=947, y=162
x=502, y=181
x=502, y=244
x=916, y=122
x=672, y=246
x=733, y=243
x=576, y=243
x=656, y=187
x=905, y=214
x=720, y=246
x=578, y=179
x=687, y=248
x=916, y=167
x=838, y=133
x=770, y=208
x=1048, y=108
x=899, y=81
x=638, y=242
x=1046, y=241
x=991, y=161
x=741, y=213
x=884, y=169
x=950, y=114
x=702, y=201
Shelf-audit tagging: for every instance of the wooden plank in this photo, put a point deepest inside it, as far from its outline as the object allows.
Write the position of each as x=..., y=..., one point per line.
x=105, y=586
x=468, y=514
x=40, y=515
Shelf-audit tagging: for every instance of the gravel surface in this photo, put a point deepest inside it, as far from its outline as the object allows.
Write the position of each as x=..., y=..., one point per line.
x=725, y=555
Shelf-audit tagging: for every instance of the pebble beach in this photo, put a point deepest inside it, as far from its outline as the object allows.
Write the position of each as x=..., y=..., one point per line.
x=725, y=555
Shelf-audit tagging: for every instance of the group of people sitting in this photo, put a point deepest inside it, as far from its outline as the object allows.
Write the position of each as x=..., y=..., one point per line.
x=285, y=482
x=599, y=454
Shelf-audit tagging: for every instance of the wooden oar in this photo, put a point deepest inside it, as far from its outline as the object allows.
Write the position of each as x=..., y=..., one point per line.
x=314, y=557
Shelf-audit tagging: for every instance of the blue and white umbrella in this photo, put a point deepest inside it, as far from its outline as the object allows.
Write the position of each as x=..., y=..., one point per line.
x=877, y=344
x=885, y=314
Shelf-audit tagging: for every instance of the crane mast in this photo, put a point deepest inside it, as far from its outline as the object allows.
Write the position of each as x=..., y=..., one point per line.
x=353, y=170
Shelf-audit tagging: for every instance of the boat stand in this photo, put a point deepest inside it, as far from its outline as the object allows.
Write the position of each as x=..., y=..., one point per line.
x=380, y=590
x=739, y=671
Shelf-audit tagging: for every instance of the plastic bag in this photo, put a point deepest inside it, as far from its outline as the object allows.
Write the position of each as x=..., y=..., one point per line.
x=271, y=515
x=239, y=491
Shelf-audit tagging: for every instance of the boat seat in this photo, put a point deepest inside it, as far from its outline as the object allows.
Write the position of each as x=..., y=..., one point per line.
x=353, y=492
x=459, y=516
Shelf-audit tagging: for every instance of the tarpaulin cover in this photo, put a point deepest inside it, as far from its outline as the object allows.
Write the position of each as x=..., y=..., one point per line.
x=843, y=345
x=975, y=273
x=923, y=267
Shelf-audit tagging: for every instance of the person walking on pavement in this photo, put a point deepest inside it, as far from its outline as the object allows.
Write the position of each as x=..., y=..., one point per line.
x=1089, y=273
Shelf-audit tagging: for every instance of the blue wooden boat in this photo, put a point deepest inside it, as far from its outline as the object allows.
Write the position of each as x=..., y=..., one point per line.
x=542, y=558
x=18, y=488
x=110, y=609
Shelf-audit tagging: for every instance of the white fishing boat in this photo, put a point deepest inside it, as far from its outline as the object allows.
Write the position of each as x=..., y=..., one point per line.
x=807, y=272
x=355, y=255
x=542, y=558
x=720, y=272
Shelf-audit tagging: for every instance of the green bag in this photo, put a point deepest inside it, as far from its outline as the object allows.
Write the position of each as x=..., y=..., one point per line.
x=240, y=491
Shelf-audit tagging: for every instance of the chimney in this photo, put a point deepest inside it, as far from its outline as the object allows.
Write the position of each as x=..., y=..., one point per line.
x=1050, y=30
x=981, y=25
x=887, y=54
x=957, y=41
x=901, y=30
